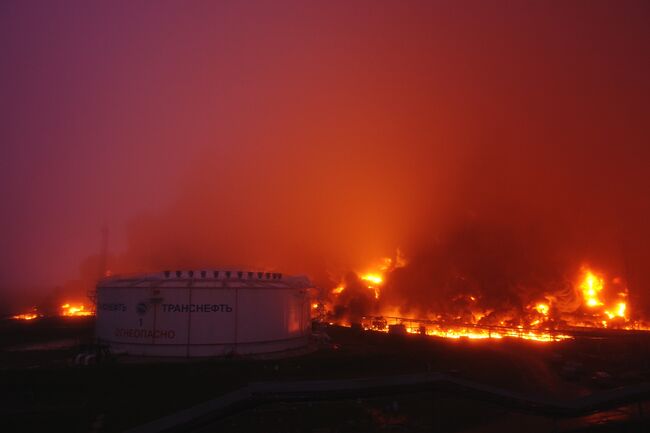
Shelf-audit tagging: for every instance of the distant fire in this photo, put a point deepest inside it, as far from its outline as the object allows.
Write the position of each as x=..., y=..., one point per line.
x=26, y=316
x=75, y=310
x=593, y=301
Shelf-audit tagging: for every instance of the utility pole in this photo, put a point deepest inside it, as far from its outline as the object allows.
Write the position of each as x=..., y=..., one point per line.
x=103, y=264
x=103, y=253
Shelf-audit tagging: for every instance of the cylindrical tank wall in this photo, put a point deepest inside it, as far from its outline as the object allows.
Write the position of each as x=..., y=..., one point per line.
x=202, y=321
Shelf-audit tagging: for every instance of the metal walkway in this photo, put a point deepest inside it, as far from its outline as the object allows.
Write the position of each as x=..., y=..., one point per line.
x=258, y=393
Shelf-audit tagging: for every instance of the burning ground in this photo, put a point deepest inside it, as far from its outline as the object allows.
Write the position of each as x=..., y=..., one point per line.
x=480, y=284
x=41, y=390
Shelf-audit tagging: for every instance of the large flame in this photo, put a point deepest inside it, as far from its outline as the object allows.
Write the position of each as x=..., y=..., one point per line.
x=591, y=286
x=374, y=281
x=542, y=308
x=374, y=278
x=599, y=304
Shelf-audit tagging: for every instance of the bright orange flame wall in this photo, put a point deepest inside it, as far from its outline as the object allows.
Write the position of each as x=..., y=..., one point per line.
x=592, y=301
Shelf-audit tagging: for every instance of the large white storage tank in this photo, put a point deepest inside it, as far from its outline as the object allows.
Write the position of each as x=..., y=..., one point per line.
x=203, y=313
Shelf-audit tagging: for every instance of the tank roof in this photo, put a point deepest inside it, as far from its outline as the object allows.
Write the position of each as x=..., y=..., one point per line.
x=208, y=278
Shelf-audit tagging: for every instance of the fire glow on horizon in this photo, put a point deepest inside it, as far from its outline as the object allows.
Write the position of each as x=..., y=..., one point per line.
x=26, y=316
x=67, y=309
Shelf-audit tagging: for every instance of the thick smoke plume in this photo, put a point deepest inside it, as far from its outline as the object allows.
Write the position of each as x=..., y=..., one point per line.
x=499, y=147
x=505, y=203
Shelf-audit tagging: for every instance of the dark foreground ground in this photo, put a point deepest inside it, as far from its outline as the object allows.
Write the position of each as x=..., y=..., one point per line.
x=41, y=391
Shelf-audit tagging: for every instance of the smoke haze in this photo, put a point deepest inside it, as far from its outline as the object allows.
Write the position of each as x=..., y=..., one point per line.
x=506, y=143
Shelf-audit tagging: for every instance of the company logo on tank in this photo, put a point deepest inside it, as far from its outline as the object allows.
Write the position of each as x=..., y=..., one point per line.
x=197, y=308
x=168, y=334
x=141, y=308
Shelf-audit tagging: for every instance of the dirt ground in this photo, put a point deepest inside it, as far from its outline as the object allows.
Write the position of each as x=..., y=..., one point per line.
x=40, y=390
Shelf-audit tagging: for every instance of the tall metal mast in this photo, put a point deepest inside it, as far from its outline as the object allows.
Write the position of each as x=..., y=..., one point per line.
x=102, y=269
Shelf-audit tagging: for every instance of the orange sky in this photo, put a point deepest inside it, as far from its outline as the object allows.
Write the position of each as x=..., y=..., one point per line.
x=316, y=138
